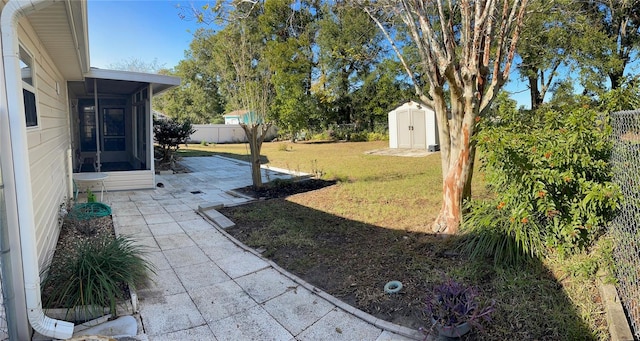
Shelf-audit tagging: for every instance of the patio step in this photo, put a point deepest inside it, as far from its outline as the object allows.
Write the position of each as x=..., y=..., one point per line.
x=217, y=217
x=210, y=206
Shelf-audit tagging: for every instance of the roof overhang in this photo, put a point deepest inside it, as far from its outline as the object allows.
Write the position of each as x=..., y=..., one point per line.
x=158, y=83
x=63, y=30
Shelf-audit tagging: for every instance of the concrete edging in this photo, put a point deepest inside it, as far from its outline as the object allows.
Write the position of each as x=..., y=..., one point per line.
x=382, y=324
x=619, y=329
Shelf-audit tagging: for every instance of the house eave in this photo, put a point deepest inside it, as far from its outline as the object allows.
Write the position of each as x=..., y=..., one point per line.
x=63, y=30
x=159, y=83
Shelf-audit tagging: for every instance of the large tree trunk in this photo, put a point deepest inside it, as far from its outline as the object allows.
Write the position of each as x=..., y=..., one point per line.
x=456, y=180
x=256, y=134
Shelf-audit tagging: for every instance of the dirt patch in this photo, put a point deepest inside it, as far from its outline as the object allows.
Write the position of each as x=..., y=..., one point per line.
x=350, y=260
x=353, y=260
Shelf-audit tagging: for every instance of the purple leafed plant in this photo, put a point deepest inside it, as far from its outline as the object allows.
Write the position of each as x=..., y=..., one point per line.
x=452, y=303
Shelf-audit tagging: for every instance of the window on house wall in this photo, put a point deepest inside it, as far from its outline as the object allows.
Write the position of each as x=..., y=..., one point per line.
x=28, y=88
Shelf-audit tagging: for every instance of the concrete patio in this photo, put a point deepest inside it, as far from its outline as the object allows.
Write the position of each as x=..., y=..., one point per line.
x=209, y=286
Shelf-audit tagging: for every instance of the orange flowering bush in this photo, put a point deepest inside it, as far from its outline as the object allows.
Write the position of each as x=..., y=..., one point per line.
x=551, y=176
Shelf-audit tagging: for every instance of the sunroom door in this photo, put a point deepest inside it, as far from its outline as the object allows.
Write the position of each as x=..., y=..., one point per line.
x=114, y=140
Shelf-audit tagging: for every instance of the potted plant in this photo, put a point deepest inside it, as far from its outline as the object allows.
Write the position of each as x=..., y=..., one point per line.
x=454, y=309
x=90, y=196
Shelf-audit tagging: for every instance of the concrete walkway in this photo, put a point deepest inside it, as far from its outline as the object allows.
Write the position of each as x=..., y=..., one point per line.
x=209, y=286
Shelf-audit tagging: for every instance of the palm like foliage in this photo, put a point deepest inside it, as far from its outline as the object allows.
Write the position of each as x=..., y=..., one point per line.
x=93, y=277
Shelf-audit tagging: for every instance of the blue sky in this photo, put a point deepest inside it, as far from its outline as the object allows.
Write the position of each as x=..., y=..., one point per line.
x=122, y=30
x=144, y=30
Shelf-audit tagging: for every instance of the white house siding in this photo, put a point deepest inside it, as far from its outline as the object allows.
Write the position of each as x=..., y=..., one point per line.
x=48, y=144
x=128, y=180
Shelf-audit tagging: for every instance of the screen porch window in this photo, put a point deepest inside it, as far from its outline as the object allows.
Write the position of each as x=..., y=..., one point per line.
x=28, y=88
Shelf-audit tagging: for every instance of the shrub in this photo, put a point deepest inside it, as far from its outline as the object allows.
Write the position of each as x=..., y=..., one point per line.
x=93, y=276
x=376, y=136
x=361, y=136
x=323, y=136
x=553, y=186
x=169, y=134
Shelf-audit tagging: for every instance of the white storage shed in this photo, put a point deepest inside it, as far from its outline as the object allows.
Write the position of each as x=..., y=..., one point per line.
x=413, y=125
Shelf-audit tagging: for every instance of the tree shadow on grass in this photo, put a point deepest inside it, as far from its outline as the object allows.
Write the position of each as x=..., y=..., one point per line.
x=353, y=261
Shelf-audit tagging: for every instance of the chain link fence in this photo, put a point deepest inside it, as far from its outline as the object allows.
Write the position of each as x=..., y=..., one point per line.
x=625, y=228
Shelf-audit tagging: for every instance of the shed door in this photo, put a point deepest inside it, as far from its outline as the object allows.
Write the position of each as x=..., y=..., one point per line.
x=418, y=130
x=404, y=128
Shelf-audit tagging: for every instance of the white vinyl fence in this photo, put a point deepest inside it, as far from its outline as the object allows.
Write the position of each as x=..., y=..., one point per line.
x=223, y=133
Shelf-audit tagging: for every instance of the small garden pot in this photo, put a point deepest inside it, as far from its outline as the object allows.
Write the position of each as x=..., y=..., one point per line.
x=452, y=331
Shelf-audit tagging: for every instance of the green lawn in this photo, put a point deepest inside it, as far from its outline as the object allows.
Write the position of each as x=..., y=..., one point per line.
x=384, y=198
x=388, y=191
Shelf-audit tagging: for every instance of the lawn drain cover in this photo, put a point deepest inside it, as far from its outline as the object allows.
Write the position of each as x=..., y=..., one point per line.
x=196, y=192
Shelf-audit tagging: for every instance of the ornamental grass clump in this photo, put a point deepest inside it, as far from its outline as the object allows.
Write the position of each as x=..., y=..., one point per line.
x=96, y=274
x=452, y=304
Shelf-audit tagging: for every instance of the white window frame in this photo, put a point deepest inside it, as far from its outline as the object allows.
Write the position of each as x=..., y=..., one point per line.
x=30, y=87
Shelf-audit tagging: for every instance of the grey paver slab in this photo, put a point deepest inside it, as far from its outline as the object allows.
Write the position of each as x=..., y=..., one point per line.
x=174, y=241
x=338, y=325
x=141, y=196
x=252, y=324
x=176, y=207
x=185, y=256
x=297, y=309
x=158, y=260
x=197, y=224
x=167, y=200
x=221, y=300
x=165, y=314
x=210, y=206
x=222, y=221
x=128, y=220
x=148, y=244
x=218, y=249
x=241, y=263
x=158, y=218
x=127, y=211
x=185, y=215
x=165, y=229
x=134, y=230
x=164, y=282
x=208, y=237
x=150, y=208
x=197, y=333
x=265, y=284
x=200, y=275
x=212, y=214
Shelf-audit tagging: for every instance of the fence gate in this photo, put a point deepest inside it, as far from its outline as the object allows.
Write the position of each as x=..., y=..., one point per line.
x=625, y=228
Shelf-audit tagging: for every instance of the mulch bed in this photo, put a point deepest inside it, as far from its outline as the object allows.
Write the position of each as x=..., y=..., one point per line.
x=284, y=188
x=353, y=264
x=71, y=235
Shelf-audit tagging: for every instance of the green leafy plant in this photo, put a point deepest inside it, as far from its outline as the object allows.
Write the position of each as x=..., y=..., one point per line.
x=169, y=134
x=552, y=182
x=91, y=197
x=94, y=275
